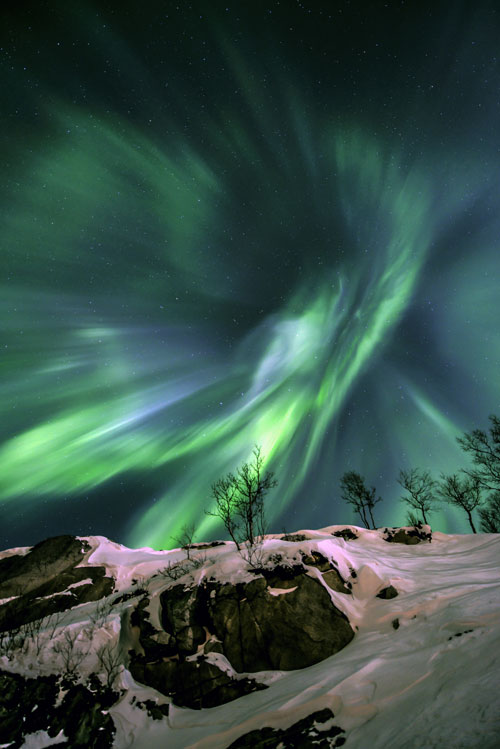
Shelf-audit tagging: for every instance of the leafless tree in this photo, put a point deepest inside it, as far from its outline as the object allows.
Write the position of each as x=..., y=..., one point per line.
x=110, y=659
x=462, y=492
x=239, y=501
x=101, y=613
x=185, y=538
x=71, y=655
x=419, y=486
x=355, y=493
x=484, y=449
x=490, y=514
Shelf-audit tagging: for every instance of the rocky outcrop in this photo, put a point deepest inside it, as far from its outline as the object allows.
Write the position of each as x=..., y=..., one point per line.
x=78, y=710
x=346, y=533
x=284, y=619
x=41, y=581
x=408, y=536
x=314, y=731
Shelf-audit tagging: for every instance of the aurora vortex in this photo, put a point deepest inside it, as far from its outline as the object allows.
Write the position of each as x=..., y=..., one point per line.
x=212, y=240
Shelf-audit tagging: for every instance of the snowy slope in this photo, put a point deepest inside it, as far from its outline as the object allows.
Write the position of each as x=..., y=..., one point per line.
x=423, y=669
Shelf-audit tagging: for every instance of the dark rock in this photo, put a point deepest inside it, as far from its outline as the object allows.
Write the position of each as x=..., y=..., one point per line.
x=157, y=644
x=336, y=582
x=346, y=533
x=387, y=593
x=29, y=705
x=201, y=684
x=195, y=683
x=49, y=568
x=331, y=575
x=282, y=575
x=294, y=537
x=32, y=605
x=406, y=536
x=128, y=596
x=395, y=623
x=459, y=634
x=254, y=629
x=183, y=617
x=153, y=709
x=205, y=545
x=260, y=631
x=49, y=558
x=305, y=734
x=315, y=559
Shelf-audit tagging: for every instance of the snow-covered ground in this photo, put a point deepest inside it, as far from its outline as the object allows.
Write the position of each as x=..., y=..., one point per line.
x=423, y=669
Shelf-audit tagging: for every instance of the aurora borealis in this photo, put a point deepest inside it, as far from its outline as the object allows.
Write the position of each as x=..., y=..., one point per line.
x=227, y=225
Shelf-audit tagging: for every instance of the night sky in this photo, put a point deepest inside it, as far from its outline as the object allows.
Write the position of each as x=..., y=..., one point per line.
x=228, y=224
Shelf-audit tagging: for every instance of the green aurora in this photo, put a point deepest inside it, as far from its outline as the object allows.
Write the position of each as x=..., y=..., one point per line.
x=277, y=273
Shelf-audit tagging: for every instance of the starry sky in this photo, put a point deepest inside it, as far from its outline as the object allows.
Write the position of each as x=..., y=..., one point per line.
x=227, y=224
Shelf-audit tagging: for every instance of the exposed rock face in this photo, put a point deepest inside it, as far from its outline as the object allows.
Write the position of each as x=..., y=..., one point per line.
x=284, y=619
x=346, y=533
x=408, y=536
x=80, y=714
x=49, y=568
x=314, y=731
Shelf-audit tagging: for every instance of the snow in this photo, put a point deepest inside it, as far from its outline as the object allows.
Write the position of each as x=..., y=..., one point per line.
x=41, y=739
x=67, y=592
x=434, y=681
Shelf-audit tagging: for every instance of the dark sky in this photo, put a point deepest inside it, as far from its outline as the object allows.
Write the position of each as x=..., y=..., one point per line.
x=226, y=225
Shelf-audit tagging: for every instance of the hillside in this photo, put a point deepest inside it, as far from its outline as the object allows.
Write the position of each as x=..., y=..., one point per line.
x=341, y=636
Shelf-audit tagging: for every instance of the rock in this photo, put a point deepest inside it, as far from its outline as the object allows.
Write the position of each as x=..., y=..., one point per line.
x=153, y=709
x=205, y=545
x=314, y=731
x=346, y=533
x=182, y=615
x=316, y=559
x=46, y=560
x=283, y=619
x=409, y=536
x=80, y=713
x=294, y=537
x=195, y=683
x=387, y=593
x=335, y=581
x=49, y=568
x=330, y=575
x=261, y=631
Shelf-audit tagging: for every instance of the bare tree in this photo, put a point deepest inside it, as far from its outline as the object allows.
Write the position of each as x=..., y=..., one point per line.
x=420, y=487
x=11, y=641
x=239, y=501
x=355, y=493
x=53, y=622
x=110, y=659
x=35, y=634
x=412, y=518
x=490, y=514
x=70, y=654
x=464, y=493
x=101, y=613
x=185, y=539
x=484, y=449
